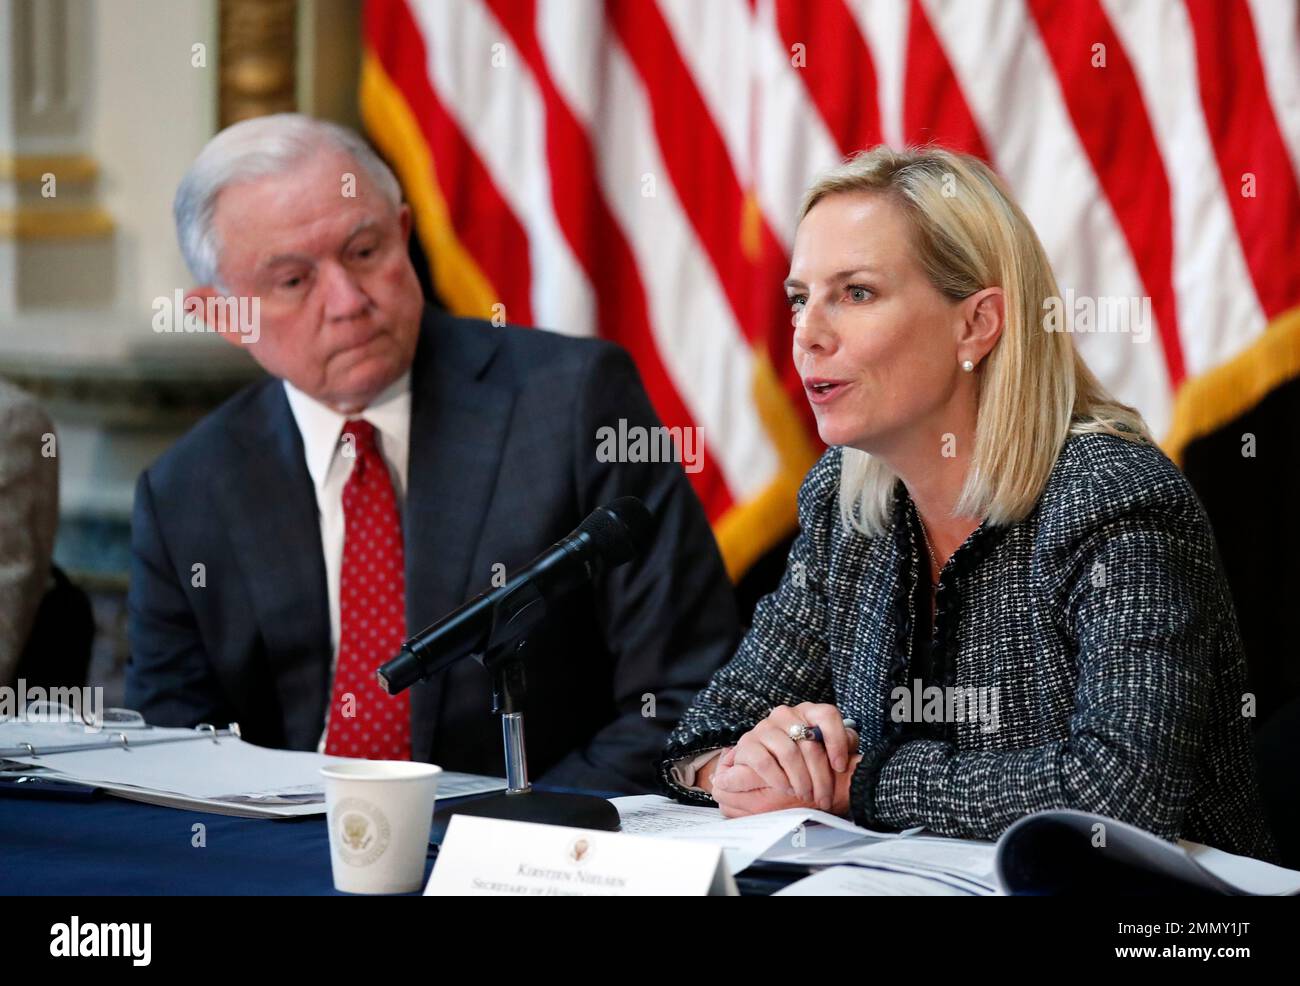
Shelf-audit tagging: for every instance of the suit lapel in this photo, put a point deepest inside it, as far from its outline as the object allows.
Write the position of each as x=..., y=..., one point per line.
x=268, y=505
x=459, y=423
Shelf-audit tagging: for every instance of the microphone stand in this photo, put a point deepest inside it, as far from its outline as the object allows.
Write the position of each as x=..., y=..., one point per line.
x=520, y=802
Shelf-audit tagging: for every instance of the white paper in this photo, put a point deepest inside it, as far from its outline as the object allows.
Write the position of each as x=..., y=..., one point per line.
x=648, y=814
x=222, y=769
x=743, y=840
x=858, y=881
x=1254, y=876
x=967, y=860
x=226, y=775
x=52, y=735
x=815, y=838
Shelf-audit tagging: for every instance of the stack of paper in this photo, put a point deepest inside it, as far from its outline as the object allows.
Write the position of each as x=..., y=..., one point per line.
x=221, y=774
x=850, y=860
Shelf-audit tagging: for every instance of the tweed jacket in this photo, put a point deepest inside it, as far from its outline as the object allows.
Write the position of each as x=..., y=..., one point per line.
x=29, y=518
x=1102, y=623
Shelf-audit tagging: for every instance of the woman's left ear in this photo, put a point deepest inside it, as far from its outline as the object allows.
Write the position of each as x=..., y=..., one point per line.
x=985, y=316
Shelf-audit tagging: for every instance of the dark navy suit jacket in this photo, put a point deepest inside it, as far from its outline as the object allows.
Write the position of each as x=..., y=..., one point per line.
x=503, y=463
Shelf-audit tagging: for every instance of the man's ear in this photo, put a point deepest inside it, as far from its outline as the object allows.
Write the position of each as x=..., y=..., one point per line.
x=985, y=316
x=213, y=316
x=404, y=219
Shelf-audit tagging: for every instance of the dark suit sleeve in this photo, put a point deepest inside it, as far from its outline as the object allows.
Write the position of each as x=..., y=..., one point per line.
x=169, y=678
x=669, y=619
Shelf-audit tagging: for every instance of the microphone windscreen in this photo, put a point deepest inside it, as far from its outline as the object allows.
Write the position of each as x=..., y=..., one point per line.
x=620, y=530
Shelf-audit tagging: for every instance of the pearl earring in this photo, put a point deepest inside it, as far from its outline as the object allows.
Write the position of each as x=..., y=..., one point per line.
x=967, y=365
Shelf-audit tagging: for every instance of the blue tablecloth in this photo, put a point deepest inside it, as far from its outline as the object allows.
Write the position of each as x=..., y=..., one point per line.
x=112, y=846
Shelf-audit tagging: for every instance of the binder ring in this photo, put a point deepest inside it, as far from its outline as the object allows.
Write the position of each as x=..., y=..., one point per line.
x=207, y=727
x=31, y=750
x=126, y=743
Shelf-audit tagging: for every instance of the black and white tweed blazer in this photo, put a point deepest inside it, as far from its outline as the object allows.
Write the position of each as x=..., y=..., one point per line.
x=1102, y=621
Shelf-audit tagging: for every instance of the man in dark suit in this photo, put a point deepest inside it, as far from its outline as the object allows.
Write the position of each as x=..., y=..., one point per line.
x=396, y=462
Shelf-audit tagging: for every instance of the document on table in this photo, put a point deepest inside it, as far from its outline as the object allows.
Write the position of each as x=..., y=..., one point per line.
x=50, y=736
x=227, y=775
x=227, y=769
x=743, y=840
x=964, y=863
x=858, y=881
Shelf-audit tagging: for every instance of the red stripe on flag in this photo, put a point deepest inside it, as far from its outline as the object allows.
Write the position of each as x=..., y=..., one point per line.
x=934, y=109
x=1106, y=107
x=1246, y=140
x=481, y=218
x=838, y=71
x=622, y=309
x=711, y=193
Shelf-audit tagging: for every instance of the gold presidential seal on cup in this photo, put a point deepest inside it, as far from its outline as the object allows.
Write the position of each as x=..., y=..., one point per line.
x=363, y=831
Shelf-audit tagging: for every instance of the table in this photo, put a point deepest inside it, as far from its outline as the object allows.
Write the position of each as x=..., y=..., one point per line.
x=112, y=846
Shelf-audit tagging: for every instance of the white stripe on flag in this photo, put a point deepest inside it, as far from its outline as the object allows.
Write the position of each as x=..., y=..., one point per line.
x=884, y=24
x=1218, y=310
x=714, y=41
x=487, y=88
x=1277, y=31
x=1012, y=90
x=695, y=331
x=793, y=142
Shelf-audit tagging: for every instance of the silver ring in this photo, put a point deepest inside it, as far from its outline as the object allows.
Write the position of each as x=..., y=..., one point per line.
x=800, y=731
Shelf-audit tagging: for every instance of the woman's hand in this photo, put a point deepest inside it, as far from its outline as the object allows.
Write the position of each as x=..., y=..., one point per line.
x=768, y=770
x=738, y=790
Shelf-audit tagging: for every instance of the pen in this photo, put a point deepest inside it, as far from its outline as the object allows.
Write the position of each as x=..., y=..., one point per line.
x=816, y=733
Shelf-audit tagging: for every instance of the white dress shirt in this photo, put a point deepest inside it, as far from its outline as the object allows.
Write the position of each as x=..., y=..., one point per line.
x=685, y=769
x=321, y=428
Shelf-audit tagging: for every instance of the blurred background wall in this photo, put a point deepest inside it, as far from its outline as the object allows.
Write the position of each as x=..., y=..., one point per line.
x=103, y=105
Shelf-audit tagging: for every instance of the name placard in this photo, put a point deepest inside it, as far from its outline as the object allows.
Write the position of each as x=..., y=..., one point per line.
x=497, y=858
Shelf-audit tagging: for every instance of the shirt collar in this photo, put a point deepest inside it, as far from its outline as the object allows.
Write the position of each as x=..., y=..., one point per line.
x=321, y=425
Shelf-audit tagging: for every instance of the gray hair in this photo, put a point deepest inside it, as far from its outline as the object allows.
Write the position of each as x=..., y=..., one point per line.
x=256, y=148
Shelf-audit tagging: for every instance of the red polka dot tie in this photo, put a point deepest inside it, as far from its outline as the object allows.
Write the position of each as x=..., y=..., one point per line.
x=364, y=720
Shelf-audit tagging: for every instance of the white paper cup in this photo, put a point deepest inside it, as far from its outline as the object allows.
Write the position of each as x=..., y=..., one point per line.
x=379, y=814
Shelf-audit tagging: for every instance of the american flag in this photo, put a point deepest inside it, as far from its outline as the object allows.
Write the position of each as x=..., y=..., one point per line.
x=632, y=169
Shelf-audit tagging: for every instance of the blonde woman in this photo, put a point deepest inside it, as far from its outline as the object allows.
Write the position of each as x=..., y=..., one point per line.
x=999, y=579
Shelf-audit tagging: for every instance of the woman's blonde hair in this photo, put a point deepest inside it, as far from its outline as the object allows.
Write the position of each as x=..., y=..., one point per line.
x=1034, y=390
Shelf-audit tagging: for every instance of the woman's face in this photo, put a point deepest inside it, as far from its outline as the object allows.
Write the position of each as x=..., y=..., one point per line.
x=874, y=341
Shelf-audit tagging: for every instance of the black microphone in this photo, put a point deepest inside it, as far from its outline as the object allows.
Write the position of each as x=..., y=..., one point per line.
x=611, y=535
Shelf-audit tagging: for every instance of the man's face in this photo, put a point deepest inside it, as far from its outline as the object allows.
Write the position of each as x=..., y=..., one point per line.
x=340, y=302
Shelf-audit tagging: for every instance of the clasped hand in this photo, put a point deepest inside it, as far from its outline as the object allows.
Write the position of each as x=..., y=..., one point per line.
x=767, y=770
